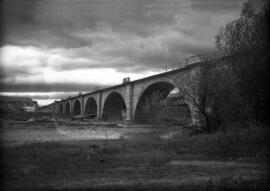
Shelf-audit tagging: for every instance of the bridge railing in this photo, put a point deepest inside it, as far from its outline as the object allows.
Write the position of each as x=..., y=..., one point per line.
x=182, y=63
x=189, y=61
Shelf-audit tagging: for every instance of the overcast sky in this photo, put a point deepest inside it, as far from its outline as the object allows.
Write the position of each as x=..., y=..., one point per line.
x=52, y=48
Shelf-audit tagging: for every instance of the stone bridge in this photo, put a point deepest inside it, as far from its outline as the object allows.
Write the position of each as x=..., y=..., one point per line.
x=123, y=101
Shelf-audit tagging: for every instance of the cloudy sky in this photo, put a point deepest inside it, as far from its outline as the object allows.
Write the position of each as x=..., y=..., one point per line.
x=55, y=48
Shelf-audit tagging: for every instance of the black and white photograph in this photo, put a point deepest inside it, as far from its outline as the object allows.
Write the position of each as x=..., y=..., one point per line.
x=146, y=95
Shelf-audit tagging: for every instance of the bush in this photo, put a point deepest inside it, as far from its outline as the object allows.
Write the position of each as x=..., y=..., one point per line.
x=251, y=142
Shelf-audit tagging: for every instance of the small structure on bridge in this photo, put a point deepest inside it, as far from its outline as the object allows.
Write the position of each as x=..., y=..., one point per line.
x=126, y=80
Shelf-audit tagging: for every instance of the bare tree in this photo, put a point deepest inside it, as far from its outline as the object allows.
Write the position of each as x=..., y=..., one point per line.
x=248, y=33
x=210, y=94
x=246, y=42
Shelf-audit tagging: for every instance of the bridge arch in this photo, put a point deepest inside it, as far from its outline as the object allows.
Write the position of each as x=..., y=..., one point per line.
x=60, y=108
x=91, y=107
x=154, y=94
x=67, y=108
x=76, y=107
x=114, y=107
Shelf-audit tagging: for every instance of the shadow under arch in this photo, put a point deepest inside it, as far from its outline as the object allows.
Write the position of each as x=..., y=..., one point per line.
x=114, y=107
x=67, y=109
x=91, y=107
x=60, y=108
x=160, y=101
x=77, y=108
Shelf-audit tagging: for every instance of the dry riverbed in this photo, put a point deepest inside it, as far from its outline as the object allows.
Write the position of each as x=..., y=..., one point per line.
x=84, y=156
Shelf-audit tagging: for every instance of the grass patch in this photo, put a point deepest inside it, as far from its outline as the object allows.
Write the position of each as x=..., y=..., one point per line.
x=24, y=116
x=141, y=162
x=236, y=143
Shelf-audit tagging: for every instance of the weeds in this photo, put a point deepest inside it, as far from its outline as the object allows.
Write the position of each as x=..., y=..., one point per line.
x=235, y=143
x=123, y=143
x=145, y=156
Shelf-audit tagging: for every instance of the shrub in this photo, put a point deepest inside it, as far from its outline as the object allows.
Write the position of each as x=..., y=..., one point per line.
x=234, y=143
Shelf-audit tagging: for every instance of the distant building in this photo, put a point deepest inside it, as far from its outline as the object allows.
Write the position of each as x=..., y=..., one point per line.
x=16, y=104
x=29, y=108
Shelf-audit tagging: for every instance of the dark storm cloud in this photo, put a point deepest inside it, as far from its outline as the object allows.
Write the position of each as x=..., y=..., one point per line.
x=54, y=96
x=43, y=87
x=130, y=36
x=217, y=6
x=42, y=23
x=55, y=23
x=73, y=65
x=192, y=48
x=7, y=72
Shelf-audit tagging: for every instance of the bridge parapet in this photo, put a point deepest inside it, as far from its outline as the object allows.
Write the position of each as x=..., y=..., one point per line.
x=193, y=59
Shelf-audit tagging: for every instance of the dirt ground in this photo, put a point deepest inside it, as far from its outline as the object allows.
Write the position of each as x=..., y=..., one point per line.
x=83, y=156
x=25, y=134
